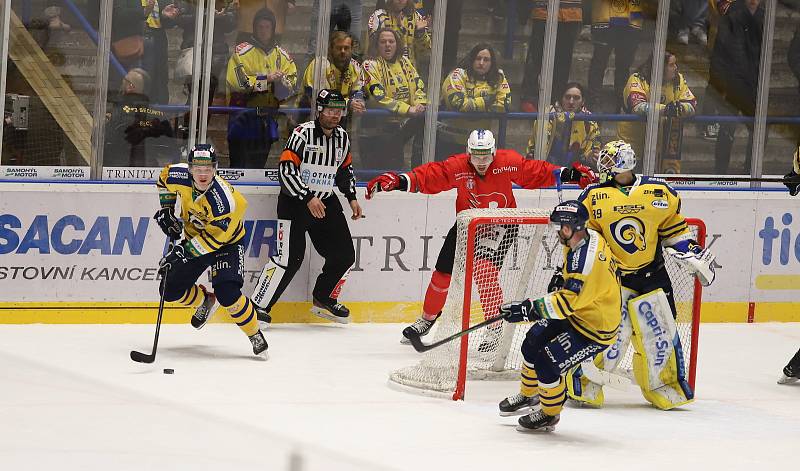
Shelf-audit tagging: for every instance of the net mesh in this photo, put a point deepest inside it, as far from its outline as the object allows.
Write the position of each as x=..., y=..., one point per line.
x=515, y=255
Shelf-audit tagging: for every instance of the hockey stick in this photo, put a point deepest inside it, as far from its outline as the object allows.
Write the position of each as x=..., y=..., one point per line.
x=557, y=174
x=416, y=342
x=150, y=358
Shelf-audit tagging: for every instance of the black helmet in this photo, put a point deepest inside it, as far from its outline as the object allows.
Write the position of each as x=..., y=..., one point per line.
x=327, y=98
x=570, y=213
x=203, y=154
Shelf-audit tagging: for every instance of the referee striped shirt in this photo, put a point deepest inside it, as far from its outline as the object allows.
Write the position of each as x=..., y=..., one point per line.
x=312, y=163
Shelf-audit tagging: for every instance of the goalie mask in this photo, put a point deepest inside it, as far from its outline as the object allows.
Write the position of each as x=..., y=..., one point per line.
x=616, y=157
x=572, y=214
x=481, y=149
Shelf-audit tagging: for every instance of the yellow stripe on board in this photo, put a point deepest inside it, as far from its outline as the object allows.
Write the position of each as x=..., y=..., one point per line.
x=774, y=282
x=363, y=312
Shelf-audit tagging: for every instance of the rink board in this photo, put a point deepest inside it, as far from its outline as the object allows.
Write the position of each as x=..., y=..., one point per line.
x=87, y=253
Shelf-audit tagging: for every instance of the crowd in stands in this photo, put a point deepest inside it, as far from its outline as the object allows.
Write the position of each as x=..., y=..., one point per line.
x=380, y=62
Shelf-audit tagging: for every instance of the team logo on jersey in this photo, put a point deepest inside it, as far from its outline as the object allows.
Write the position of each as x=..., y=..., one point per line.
x=660, y=204
x=597, y=197
x=492, y=200
x=470, y=184
x=628, y=208
x=196, y=221
x=628, y=232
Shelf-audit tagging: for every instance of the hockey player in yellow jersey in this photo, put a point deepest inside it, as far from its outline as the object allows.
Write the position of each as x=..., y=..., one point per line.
x=212, y=225
x=570, y=325
x=638, y=215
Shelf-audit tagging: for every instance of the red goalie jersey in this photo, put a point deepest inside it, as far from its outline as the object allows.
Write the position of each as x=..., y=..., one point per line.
x=492, y=190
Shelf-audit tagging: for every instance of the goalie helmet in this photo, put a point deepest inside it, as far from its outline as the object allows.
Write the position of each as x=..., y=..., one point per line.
x=570, y=213
x=203, y=154
x=615, y=157
x=481, y=149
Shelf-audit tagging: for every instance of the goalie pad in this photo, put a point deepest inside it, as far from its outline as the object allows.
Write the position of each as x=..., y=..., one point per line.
x=658, y=358
x=699, y=264
x=273, y=271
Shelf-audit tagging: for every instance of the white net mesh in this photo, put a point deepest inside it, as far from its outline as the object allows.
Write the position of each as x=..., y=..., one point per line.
x=514, y=256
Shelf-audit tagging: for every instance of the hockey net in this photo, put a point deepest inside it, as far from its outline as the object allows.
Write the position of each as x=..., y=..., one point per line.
x=505, y=255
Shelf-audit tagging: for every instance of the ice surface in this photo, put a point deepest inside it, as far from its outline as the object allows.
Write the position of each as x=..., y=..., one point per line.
x=70, y=398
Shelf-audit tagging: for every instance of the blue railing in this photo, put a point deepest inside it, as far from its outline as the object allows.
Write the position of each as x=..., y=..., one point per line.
x=92, y=34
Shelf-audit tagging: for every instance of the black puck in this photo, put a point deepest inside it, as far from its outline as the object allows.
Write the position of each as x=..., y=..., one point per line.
x=168, y=371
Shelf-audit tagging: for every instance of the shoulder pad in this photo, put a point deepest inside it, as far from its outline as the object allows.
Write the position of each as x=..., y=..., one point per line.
x=658, y=181
x=179, y=174
x=243, y=48
x=585, y=193
x=576, y=259
x=220, y=198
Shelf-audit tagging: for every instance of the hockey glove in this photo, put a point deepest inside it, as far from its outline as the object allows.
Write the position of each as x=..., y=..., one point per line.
x=695, y=260
x=523, y=311
x=384, y=182
x=580, y=174
x=175, y=257
x=792, y=182
x=168, y=223
x=556, y=282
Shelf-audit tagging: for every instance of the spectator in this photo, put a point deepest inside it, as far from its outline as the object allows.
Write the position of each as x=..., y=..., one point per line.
x=410, y=26
x=345, y=16
x=393, y=84
x=182, y=15
x=340, y=72
x=616, y=27
x=127, y=36
x=569, y=140
x=154, y=60
x=735, y=63
x=249, y=8
x=689, y=16
x=711, y=99
x=677, y=101
x=260, y=76
x=570, y=17
x=136, y=134
x=476, y=85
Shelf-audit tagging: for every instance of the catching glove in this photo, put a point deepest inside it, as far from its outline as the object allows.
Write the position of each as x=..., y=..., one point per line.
x=169, y=224
x=175, y=257
x=384, y=182
x=523, y=311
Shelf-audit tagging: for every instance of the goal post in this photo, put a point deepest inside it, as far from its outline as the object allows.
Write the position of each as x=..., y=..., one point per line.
x=505, y=255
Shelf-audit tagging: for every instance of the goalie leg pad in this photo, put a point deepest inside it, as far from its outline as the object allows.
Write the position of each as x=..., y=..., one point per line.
x=583, y=390
x=267, y=285
x=658, y=358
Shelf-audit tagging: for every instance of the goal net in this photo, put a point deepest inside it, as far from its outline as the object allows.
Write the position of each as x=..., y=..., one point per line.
x=505, y=255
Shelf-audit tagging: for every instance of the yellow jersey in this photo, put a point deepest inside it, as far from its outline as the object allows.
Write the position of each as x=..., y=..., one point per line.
x=250, y=61
x=415, y=41
x=349, y=83
x=462, y=93
x=591, y=297
x=211, y=219
x=635, y=219
x=567, y=140
x=395, y=86
x=617, y=13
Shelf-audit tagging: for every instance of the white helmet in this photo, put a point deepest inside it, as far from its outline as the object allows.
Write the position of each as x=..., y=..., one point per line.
x=616, y=157
x=481, y=142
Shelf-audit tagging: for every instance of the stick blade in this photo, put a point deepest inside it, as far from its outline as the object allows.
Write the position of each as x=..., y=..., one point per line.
x=140, y=357
x=416, y=342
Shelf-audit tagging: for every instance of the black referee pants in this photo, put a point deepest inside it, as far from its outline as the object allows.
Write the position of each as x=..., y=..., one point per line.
x=330, y=237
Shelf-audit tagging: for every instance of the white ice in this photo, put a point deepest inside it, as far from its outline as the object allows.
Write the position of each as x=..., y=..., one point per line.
x=70, y=398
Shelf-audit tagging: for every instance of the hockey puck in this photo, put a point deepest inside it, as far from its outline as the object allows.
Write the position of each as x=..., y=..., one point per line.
x=168, y=371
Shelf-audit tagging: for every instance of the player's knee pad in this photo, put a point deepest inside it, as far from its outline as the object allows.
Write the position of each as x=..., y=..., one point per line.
x=436, y=295
x=227, y=293
x=267, y=283
x=533, y=342
x=658, y=363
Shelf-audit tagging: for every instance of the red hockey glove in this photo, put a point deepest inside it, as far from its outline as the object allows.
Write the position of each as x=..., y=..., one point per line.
x=587, y=175
x=384, y=182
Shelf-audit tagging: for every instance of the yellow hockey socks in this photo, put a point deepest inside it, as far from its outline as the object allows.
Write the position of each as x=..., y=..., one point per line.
x=529, y=384
x=552, y=397
x=244, y=314
x=193, y=297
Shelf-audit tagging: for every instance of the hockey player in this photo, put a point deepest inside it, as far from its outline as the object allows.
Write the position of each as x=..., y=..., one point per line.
x=316, y=158
x=483, y=178
x=570, y=325
x=637, y=215
x=212, y=223
x=791, y=372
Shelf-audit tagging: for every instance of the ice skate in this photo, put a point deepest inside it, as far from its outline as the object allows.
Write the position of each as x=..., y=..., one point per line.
x=537, y=421
x=791, y=374
x=518, y=405
x=259, y=345
x=203, y=311
x=332, y=311
x=420, y=328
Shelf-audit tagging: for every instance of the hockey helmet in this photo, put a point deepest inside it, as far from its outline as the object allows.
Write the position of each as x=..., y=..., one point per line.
x=328, y=98
x=615, y=157
x=481, y=148
x=203, y=154
x=570, y=213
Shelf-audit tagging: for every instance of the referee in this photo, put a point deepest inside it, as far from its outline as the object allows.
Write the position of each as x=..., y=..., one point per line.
x=316, y=158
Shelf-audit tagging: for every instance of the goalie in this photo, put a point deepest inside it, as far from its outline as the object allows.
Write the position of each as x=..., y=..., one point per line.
x=483, y=178
x=570, y=325
x=638, y=215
